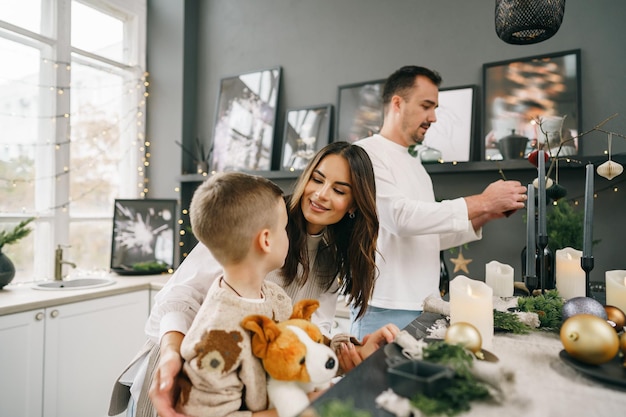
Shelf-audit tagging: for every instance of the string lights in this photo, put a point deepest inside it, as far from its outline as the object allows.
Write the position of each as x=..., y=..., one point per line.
x=25, y=174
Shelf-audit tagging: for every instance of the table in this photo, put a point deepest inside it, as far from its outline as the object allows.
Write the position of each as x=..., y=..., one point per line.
x=544, y=384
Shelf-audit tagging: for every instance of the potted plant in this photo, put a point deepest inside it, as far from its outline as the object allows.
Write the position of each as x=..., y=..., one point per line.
x=7, y=269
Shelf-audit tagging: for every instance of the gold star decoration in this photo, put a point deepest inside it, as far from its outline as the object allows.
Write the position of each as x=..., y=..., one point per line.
x=460, y=263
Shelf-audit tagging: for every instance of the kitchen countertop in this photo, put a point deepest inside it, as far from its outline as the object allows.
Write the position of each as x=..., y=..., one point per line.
x=17, y=298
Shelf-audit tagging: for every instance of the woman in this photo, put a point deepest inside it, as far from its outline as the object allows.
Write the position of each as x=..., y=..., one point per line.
x=332, y=231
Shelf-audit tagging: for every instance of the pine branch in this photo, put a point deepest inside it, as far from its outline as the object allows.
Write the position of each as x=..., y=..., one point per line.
x=20, y=231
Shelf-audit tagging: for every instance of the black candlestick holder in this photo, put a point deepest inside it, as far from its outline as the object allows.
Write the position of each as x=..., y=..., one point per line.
x=531, y=283
x=586, y=263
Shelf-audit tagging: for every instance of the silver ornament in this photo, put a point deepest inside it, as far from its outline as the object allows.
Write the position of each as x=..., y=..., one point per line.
x=583, y=305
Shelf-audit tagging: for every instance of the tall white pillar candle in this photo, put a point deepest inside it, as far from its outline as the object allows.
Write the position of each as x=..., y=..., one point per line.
x=471, y=301
x=500, y=278
x=615, y=288
x=570, y=277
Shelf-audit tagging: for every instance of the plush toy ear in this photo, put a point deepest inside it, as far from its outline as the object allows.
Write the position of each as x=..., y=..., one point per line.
x=264, y=331
x=304, y=309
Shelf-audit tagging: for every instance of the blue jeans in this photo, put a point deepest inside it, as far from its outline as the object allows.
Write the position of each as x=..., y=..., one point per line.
x=376, y=317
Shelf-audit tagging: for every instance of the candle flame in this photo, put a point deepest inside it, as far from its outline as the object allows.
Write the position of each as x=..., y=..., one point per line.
x=471, y=294
x=569, y=256
x=624, y=281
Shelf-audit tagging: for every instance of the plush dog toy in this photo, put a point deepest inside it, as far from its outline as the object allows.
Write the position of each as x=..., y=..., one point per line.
x=294, y=355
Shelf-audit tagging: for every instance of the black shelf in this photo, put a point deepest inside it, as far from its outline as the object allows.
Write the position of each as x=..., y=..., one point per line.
x=576, y=161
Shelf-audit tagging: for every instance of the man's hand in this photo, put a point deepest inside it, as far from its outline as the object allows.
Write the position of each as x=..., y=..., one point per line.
x=500, y=198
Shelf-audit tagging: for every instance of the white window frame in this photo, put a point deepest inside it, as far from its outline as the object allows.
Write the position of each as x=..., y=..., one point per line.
x=56, y=35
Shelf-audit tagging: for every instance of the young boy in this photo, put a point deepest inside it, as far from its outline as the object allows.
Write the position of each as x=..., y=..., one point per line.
x=242, y=219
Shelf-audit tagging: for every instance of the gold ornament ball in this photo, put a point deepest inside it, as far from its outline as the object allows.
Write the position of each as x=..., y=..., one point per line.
x=616, y=316
x=466, y=335
x=589, y=339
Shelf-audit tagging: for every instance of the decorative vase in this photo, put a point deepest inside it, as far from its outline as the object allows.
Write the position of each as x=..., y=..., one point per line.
x=444, y=276
x=513, y=146
x=548, y=271
x=7, y=270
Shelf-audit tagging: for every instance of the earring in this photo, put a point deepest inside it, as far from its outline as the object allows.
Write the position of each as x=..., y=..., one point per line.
x=351, y=215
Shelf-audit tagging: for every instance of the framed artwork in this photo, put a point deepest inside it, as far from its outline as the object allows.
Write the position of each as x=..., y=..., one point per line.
x=359, y=110
x=452, y=134
x=143, y=236
x=245, y=118
x=307, y=130
x=536, y=98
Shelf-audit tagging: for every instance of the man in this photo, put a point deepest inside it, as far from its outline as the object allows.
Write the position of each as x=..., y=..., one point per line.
x=414, y=228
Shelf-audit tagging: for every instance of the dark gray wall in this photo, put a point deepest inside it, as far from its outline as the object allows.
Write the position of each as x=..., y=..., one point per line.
x=322, y=44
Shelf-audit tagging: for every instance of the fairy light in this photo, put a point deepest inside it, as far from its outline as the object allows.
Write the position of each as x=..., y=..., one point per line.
x=139, y=142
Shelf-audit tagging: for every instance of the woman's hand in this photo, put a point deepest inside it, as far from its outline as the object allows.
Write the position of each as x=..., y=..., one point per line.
x=373, y=341
x=164, y=389
x=351, y=355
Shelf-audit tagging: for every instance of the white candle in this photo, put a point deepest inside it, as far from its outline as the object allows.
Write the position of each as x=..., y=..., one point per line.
x=570, y=277
x=499, y=277
x=615, y=288
x=471, y=301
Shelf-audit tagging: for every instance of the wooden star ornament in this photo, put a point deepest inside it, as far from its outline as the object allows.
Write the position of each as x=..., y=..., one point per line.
x=460, y=263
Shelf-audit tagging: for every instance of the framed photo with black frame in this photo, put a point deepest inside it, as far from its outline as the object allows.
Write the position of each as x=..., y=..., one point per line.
x=532, y=103
x=359, y=110
x=143, y=238
x=245, y=120
x=452, y=135
x=307, y=130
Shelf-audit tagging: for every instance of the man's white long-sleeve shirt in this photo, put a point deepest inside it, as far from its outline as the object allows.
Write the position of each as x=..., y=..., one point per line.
x=414, y=228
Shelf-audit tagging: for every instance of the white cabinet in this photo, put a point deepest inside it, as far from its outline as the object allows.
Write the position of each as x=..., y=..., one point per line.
x=62, y=361
x=21, y=378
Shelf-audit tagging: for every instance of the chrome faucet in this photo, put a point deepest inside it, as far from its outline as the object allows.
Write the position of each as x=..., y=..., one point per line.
x=58, y=263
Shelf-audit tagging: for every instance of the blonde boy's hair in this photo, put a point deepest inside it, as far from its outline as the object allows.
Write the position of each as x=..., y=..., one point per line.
x=229, y=209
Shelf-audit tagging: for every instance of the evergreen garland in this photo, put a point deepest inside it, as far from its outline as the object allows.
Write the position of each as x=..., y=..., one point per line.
x=509, y=322
x=548, y=307
x=464, y=387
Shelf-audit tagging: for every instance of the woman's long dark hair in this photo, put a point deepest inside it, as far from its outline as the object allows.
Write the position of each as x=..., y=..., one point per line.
x=349, y=248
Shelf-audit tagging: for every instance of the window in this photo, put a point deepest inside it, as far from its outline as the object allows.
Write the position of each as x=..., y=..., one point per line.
x=72, y=100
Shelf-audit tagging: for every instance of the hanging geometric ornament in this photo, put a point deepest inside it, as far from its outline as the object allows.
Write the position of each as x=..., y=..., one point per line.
x=556, y=192
x=548, y=181
x=610, y=169
x=523, y=22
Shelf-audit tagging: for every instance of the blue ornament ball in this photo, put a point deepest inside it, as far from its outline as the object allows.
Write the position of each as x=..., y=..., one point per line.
x=583, y=305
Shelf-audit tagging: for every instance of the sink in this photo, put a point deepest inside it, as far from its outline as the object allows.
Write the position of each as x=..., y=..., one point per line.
x=73, y=284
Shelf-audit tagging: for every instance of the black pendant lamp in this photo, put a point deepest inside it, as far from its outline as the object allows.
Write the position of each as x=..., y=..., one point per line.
x=523, y=22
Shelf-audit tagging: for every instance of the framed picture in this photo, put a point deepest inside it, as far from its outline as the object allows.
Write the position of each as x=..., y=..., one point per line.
x=536, y=98
x=307, y=130
x=453, y=132
x=143, y=236
x=359, y=110
x=243, y=136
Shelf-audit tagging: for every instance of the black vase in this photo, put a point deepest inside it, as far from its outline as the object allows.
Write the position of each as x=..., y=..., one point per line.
x=444, y=276
x=548, y=271
x=7, y=270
